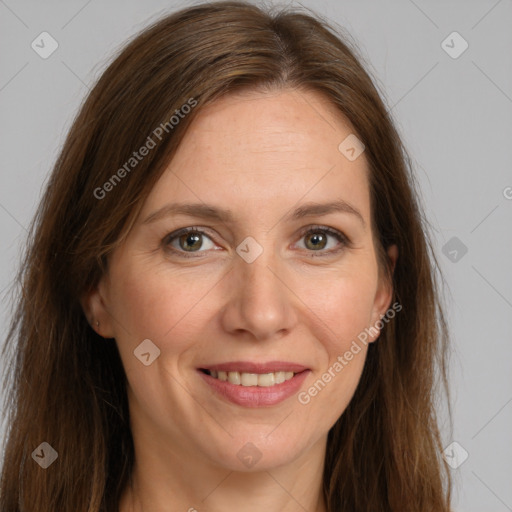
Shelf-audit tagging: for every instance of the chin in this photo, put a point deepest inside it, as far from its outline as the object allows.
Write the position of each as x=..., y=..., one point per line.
x=259, y=450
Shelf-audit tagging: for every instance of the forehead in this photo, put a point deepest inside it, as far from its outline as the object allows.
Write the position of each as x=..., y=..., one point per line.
x=274, y=149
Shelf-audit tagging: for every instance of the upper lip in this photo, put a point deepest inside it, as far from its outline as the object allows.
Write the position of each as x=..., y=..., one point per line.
x=252, y=367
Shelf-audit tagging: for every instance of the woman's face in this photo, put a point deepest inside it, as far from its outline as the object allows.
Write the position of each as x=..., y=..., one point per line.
x=250, y=296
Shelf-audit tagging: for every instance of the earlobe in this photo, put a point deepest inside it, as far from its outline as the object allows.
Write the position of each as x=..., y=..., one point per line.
x=384, y=294
x=95, y=310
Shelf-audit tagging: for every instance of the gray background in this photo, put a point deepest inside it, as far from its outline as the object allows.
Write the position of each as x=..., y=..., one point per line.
x=454, y=115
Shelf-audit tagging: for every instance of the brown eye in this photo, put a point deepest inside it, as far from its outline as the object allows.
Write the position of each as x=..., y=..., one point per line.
x=190, y=241
x=316, y=240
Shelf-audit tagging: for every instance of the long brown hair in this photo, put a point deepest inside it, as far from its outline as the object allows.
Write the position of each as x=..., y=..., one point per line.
x=66, y=385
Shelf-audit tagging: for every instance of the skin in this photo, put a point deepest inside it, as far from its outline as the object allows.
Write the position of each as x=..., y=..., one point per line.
x=277, y=150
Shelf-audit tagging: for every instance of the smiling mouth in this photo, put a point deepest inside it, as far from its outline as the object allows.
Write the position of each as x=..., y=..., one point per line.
x=251, y=379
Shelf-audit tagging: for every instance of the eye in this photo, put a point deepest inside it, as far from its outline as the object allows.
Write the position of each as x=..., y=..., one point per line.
x=187, y=240
x=317, y=239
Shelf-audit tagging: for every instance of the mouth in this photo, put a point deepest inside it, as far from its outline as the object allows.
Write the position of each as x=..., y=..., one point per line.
x=262, y=380
x=255, y=384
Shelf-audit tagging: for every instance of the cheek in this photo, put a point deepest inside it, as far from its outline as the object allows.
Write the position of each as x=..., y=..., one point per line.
x=343, y=308
x=149, y=301
x=343, y=313
x=337, y=385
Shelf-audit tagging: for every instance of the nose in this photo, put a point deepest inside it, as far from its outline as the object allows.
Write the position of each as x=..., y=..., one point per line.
x=261, y=305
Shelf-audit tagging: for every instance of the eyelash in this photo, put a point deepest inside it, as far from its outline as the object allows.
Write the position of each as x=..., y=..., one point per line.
x=344, y=241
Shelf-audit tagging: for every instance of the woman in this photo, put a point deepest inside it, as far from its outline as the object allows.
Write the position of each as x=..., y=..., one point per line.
x=228, y=299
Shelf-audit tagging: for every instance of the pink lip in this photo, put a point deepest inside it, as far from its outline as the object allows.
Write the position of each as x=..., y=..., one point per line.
x=251, y=367
x=255, y=396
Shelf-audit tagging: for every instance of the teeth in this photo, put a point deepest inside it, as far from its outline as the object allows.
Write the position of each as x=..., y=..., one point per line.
x=252, y=379
x=267, y=379
x=280, y=377
x=234, y=377
x=249, y=379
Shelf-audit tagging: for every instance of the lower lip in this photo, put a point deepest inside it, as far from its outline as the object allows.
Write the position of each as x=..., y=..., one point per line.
x=256, y=396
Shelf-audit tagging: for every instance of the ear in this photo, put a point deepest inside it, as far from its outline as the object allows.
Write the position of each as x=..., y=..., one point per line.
x=94, y=305
x=384, y=294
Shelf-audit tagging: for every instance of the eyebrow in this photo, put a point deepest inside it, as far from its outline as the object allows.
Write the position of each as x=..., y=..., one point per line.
x=205, y=211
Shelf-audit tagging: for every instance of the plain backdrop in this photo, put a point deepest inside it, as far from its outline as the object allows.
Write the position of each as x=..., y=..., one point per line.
x=453, y=108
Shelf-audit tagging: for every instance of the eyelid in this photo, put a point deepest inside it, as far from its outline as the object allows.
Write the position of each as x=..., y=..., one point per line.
x=318, y=227
x=343, y=240
x=166, y=241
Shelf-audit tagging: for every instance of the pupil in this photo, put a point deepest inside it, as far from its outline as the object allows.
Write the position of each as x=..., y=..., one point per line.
x=195, y=237
x=320, y=238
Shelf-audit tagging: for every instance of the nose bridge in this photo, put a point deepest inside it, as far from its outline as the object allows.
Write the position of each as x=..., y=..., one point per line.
x=259, y=299
x=258, y=279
